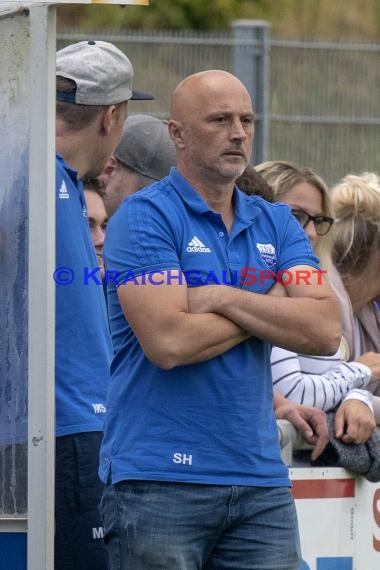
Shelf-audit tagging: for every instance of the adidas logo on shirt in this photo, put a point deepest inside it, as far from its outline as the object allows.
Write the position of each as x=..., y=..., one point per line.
x=196, y=246
x=63, y=193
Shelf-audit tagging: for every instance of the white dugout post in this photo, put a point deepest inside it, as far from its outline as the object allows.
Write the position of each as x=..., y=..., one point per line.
x=27, y=174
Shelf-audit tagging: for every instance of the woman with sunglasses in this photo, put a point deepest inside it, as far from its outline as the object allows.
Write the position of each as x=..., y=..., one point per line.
x=323, y=382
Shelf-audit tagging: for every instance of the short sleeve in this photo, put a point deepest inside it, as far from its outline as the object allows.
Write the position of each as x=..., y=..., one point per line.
x=140, y=238
x=296, y=248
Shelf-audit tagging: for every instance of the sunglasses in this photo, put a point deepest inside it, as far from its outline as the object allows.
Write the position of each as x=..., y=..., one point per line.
x=322, y=223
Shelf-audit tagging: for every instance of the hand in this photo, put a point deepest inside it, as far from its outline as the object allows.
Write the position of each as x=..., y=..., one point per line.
x=309, y=421
x=372, y=360
x=202, y=299
x=354, y=422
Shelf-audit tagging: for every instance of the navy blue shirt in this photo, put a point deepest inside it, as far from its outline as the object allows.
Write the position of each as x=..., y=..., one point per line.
x=83, y=345
x=210, y=422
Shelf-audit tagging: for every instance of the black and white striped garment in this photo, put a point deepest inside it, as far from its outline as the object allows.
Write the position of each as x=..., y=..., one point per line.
x=320, y=381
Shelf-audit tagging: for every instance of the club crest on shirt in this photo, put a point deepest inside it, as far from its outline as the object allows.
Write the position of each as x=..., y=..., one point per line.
x=267, y=253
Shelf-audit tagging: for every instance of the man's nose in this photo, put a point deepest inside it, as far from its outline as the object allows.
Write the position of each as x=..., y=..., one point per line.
x=98, y=236
x=237, y=130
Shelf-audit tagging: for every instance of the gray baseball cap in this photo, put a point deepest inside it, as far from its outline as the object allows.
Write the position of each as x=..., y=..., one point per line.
x=146, y=146
x=102, y=73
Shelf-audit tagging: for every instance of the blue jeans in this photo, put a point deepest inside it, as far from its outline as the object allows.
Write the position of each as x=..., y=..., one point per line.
x=151, y=525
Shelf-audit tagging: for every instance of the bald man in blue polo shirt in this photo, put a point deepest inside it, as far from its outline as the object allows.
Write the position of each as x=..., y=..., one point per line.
x=190, y=451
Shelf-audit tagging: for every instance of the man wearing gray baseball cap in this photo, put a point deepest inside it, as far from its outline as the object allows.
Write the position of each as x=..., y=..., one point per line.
x=94, y=85
x=145, y=154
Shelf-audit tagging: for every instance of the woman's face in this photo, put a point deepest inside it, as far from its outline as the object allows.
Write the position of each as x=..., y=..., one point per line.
x=306, y=198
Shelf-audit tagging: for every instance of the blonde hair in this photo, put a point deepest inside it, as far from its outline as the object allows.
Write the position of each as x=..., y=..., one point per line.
x=356, y=205
x=282, y=176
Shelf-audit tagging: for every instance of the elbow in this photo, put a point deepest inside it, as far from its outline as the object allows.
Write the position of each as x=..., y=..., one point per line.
x=328, y=332
x=164, y=348
x=327, y=343
x=331, y=345
x=333, y=336
x=162, y=356
x=163, y=362
x=332, y=331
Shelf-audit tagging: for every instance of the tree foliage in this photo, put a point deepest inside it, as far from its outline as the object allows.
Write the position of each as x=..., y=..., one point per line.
x=324, y=19
x=199, y=15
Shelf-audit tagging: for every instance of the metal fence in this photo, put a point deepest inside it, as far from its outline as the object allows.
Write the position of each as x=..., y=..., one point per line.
x=316, y=103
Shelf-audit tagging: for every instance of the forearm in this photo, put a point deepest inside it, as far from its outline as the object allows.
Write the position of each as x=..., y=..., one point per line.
x=325, y=388
x=197, y=338
x=301, y=324
x=169, y=334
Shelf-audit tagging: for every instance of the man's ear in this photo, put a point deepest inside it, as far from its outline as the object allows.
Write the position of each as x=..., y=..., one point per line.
x=107, y=118
x=108, y=170
x=176, y=133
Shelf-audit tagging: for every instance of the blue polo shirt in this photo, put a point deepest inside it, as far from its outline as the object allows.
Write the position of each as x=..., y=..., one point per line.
x=83, y=346
x=210, y=422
